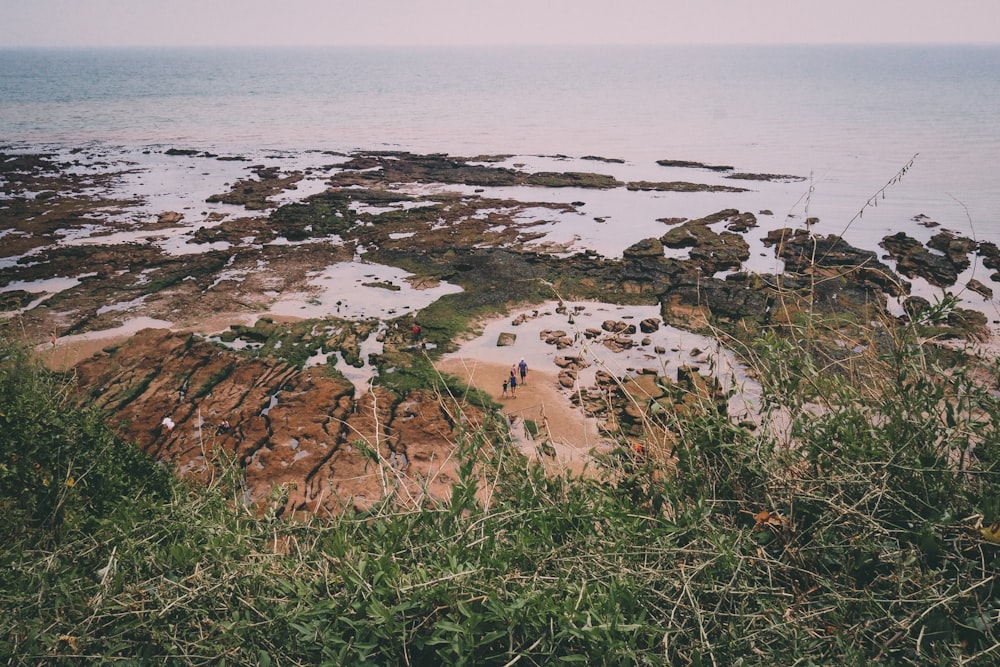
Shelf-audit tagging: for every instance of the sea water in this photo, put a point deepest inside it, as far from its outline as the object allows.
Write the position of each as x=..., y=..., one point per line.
x=845, y=118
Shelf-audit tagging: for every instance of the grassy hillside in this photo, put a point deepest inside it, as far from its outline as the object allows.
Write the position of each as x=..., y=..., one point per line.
x=850, y=522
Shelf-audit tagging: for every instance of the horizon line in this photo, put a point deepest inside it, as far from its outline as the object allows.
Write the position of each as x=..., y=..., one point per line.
x=424, y=45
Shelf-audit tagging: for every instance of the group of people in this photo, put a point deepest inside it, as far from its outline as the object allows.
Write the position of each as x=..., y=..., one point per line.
x=517, y=370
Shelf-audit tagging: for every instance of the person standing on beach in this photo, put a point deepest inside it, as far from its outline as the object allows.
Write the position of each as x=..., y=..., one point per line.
x=513, y=385
x=523, y=370
x=504, y=395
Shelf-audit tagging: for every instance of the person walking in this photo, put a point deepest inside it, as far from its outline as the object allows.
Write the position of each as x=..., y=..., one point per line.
x=523, y=370
x=513, y=385
x=505, y=383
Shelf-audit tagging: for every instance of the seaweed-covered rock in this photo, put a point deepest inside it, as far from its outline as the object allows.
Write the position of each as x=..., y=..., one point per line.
x=711, y=251
x=915, y=261
x=831, y=256
x=403, y=167
x=732, y=299
x=255, y=195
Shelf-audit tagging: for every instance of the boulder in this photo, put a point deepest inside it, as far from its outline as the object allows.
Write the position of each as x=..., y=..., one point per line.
x=506, y=339
x=649, y=325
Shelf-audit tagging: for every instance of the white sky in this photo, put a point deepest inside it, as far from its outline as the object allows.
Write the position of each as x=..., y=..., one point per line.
x=433, y=22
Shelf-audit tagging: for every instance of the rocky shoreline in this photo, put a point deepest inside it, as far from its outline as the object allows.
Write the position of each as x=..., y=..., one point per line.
x=260, y=330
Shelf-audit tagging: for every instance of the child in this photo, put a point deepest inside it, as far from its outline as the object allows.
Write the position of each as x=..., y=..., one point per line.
x=504, y=395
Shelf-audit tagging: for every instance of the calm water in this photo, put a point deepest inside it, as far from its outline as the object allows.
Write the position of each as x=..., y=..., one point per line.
x=849, y=117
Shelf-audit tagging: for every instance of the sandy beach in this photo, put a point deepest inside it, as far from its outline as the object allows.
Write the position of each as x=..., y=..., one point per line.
x=570, y=433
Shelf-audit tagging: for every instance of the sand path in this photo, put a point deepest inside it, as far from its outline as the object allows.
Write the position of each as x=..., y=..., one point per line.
x=564, y=426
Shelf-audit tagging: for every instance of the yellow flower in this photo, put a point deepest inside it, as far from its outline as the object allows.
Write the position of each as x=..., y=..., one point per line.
x=991, y=533
x=70, y=481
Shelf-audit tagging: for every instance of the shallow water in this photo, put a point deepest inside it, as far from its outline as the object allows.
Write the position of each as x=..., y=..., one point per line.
x=679, y=348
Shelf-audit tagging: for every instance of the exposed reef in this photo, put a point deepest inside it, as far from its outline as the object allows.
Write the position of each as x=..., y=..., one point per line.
x=297, y=421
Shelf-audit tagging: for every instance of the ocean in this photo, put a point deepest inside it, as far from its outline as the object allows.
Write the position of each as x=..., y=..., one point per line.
x=846, y=118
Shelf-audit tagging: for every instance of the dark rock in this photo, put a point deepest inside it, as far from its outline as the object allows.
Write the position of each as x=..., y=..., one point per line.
x=778, y=178
x=402, y=167
x=689, y=164
x=727, y=299
x=671, y=221
x=618, y=327
x=806, y=254
x=649, y=325
x=644, y=248
x=980, y=289
x=955, y=248
x=680, y=186
x=915, y=261
x=710, y=251
x=506, y=339
x=914, y=306
x=15, y=299
x=990, y=254
x=255, y=195
x=925, y=221
x=610, y=160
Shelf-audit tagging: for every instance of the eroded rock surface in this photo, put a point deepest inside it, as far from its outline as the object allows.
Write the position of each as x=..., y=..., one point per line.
x=301, y=432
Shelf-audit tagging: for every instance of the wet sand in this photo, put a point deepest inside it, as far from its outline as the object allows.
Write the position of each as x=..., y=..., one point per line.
x=570, y=433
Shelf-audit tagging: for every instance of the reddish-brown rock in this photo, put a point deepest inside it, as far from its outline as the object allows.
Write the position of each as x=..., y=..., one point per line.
x=299, y=436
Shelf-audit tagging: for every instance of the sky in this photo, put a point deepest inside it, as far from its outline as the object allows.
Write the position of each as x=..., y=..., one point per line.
x=515, y=22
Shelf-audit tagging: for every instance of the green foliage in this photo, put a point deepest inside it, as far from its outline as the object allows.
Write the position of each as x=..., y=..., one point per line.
x=841, y=529
x=60, y=464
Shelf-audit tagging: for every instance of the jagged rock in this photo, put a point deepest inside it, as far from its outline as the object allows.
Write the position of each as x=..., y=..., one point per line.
x=618, y=327
x=914, y=260
x=710, y=251
x=301, y=430
x=691, y=164
x=732, y=299
x=955, y=248
x=255, y=195
x=605, y=380
x=551, y=335
x=575, y=362
x=857, y=276
x=990, y=254
x=649, y=325
x=618, y=343
x=567, y=378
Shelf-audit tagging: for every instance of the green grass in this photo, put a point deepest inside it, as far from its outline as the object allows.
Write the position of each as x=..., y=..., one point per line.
x=841, y=529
